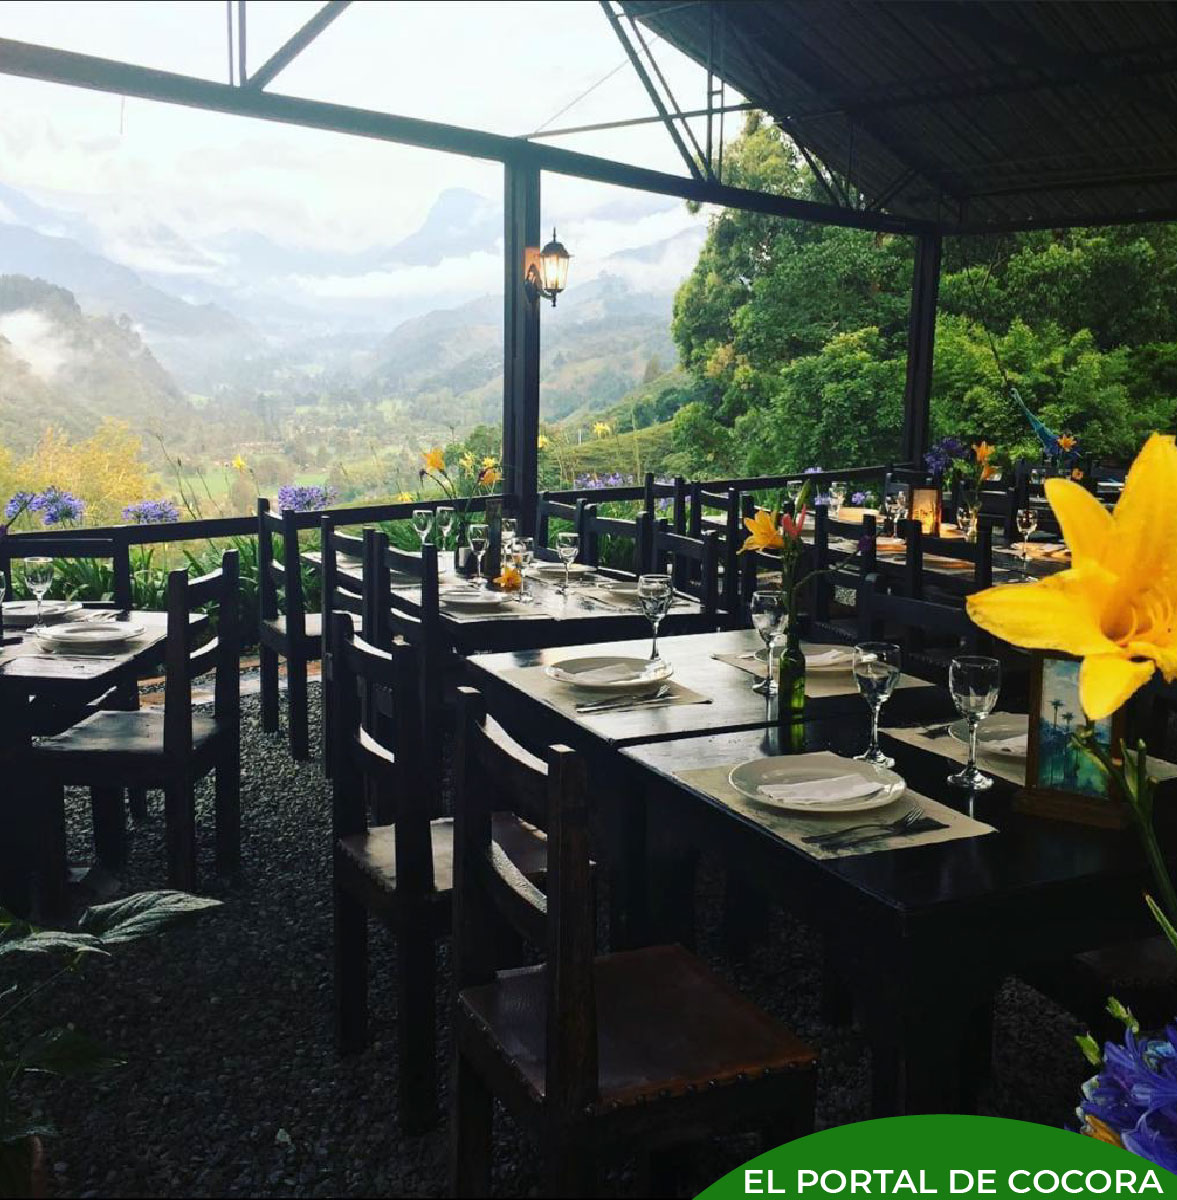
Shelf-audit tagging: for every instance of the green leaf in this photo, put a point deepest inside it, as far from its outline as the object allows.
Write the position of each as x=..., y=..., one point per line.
x=1122, y=1013
x=51, y=941
x=1090, y=1048
x=66, y=1052
x=142, y=915
x=1166, y=925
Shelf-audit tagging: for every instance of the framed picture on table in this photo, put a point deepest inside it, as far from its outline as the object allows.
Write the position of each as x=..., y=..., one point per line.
x=923, y=505
x=1062, y=780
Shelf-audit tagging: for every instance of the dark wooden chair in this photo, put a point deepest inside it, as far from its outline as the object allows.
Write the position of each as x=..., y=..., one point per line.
x=691, y=562
x=836, y=570
x=638, y=1049
x=341, y=591
x=169, y=750
x=920, y=577
x=729, y=525
x=285, y=628
x=400, y=872
x=637, y=532
x=547, y=510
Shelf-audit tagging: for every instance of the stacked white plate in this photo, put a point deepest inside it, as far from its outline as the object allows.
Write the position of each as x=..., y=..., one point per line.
x=612, y=674
x=619, y=589
x=475, y=600
x=823, y=660
x=1003, y=735
x=88, y=637
x=818, y=786
x=22, y=614
x=555, y=570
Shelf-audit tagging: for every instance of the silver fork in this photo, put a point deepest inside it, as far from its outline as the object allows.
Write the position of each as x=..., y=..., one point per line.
x=908, y=819
x=601, y=706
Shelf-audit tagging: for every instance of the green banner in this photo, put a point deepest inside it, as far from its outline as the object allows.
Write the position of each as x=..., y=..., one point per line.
x=946, y=1156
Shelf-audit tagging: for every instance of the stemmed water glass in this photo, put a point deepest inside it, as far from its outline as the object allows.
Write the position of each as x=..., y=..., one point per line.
x=891, y=508
x=769, y=615
x=974, y=682
x=876, y=671
x=39, y=579
x=443, y=520
x=423, y=522
x=478, y=537
x=522, y=553
x=567, y=548
x=1027, y=523
x=793, y=491
x=508, y=532
x=837, y=495
x=966, y=519
x=655, y=594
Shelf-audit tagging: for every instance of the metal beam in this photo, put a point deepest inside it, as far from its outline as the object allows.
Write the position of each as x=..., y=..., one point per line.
x=126, y=79
x=651, y=90
x=521, y=333
x=628, y=122
x=921, y=342
x=289, y=51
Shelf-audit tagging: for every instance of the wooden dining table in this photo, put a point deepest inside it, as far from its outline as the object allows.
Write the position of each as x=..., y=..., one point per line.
x=920, y=935
x=40, y=690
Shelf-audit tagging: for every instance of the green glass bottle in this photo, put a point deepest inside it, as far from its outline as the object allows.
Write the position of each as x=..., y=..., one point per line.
x=791, y=671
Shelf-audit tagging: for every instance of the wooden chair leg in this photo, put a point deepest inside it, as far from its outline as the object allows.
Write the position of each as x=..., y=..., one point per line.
x=351, y=973
x=129, y=699
x=268, y=670
x=325, y=724
x=296, y=707
x=473, y=1107
x=109, y=814
x=228, y=806
x=50, y=871
x=416, y=1030
x=179, y=801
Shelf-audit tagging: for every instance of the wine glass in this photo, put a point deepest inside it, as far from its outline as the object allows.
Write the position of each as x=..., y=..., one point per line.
x=655, y=595
x=793, y=491
x=508, y=532
x=39, y=579
x=974, y=682
x=769, y=615
x=1027, y=523
x=901, y=506
x=522, y=554
x=837, y=494
x=478, y=537
x=876, y=671
x=422, y=522
x=891, y=508
x=443, y=520
x=966, y=519
x=567, y=548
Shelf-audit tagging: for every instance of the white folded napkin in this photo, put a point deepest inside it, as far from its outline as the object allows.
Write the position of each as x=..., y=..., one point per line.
x=815, y=791
x=1018, y=744
x=614, y=673
x=828, y=658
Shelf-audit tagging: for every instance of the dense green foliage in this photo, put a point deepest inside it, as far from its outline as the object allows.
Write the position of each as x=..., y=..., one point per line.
x=794, y=334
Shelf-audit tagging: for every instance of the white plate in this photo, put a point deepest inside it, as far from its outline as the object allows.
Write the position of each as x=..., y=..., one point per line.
x=749, y=777
x=21, y=614
x=575, y=571
x=620, y=590
x=997, y=728
x=843, y=664
x=88, y=635
x=475, y=601
x=612, y=673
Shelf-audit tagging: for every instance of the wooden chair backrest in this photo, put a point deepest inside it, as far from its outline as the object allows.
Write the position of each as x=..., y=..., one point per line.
x=881, y=614
x=637, y=530
x=545, y=510
x=16, y=547
x=368, y=763
x=493, y=774
x=979, y=553
x=342, y=591
x=217, y=593
x=834, y=563
x=280, y=583
x=692, y=563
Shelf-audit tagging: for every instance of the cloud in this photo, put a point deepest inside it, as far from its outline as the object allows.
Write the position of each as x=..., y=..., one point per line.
x=37, y=340
x=456, y=279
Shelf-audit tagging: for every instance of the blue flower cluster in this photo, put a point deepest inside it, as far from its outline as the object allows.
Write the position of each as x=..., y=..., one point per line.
x=944, y=453
x=860, y=499
x=615, y=480
x=304, y=497
x=151, y=512
x=1135, y=1095
x=55, y=507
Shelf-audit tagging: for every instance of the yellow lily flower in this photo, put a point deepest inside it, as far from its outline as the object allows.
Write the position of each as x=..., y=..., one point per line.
x=602, y=428
x=983, y=451
x=1066, y=442
x=488, y=476
x=511, y=580
x=489, y=461
x=763, y=532
x=238, y=463
x=466, y=462
x=434, y=459
x=1116, y=608
x=405, y=497
x=541, y=442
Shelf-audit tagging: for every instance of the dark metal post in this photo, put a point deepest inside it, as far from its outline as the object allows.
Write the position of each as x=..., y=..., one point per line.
x=921, y=339
x=520, y=345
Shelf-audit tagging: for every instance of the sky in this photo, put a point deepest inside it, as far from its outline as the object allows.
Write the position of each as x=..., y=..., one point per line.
x=133, y=166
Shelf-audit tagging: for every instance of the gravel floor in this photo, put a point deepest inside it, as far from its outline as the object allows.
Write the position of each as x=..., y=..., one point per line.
x=232, y=1086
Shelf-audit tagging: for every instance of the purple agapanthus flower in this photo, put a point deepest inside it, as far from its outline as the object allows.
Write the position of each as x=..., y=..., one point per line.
x=944, y=453
x=151, y=512
x=304, y=497
x=57, y=507
x=1135, y=1095
x=19, y=502
x=858, y=499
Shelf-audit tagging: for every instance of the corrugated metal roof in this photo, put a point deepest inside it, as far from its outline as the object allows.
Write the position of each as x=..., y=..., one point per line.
x=971, y=113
